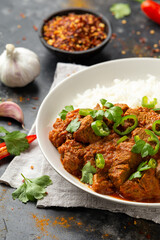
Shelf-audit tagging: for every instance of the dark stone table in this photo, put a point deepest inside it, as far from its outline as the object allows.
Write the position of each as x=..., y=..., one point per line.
x=133, y=36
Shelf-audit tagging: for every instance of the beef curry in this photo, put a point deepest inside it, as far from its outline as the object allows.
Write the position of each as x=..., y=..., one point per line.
x=112, y=148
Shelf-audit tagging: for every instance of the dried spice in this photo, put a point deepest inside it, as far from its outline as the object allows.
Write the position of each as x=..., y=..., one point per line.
x=74, y=32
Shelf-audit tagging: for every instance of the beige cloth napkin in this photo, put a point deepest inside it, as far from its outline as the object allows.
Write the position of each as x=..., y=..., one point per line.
x=63, y=193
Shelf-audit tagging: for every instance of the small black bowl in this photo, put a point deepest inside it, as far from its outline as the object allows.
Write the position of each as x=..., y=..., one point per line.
x=76, y=55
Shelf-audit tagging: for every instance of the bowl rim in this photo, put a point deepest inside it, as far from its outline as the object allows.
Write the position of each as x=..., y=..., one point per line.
x=76, y=10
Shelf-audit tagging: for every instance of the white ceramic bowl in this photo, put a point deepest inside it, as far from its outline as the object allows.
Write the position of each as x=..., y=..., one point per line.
x=64, y=93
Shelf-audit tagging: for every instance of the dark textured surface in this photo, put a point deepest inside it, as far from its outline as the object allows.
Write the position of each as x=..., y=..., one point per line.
x=137, y=37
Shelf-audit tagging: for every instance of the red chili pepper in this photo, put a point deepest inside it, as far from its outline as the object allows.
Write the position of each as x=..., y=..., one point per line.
x=152, y=10
x=3, y=149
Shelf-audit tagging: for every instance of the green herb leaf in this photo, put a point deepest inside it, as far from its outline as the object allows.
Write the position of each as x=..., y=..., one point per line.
x=143, y=166
x=74, y=125
x=120, y=10
x=105, y=103
x=32, y=189
x=114, y=114
x=16, y=141
x=87, y=173
x=64, y=112
x=142, y=147
x=135, y=175
x=97, y=114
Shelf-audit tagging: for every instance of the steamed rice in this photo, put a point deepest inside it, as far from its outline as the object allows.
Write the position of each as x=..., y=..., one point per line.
x=122, y=91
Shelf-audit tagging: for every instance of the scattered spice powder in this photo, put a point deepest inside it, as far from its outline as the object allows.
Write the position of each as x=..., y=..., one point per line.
x=35, y=28
x=9, y=123
x=22, y=15
x=74, y=32
x=32, y=167
x=80, y=4
x=24, y=38
x=152, y=32
x=123, y=21
x=33, y=107
x=19, y=26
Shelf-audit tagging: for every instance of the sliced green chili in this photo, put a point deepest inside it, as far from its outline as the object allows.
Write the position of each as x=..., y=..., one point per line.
x=153, y=138
x=100, y=162
x=154, y=127
x=122, y=139
x=100, y=128
x=129, y=129
x=147, y=104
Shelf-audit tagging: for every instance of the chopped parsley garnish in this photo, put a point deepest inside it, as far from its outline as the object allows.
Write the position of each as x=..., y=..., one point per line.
x=87, y=173
x=143, y=166
x=16, y=141
x=32, y=189
x=64, y=112
x=120, y=10
x=73, y=125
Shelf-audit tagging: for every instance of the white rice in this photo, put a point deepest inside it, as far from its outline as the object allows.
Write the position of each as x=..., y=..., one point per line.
x=122, y=91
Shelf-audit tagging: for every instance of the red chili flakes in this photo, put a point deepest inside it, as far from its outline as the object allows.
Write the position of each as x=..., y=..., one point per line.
x=22, y=15
x=74, y=32
x=9, y=123
x=33, y=107
x=24, y=38
x=32, y=167
x=35, y=28
x=142, y=40
x=148, y=236
x=35, y=98
x=113, y=36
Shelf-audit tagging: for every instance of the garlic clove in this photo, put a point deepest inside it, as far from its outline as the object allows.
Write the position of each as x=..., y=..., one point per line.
x=12, y=110
x=18, y=66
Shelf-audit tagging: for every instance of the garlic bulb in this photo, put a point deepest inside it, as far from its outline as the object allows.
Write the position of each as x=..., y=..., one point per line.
x=18, y=66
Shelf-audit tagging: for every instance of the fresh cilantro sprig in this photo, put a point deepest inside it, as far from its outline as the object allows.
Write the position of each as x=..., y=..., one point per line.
x=145, y=148
x=73, y=125
x=32, y=189
x=16, y=141
x=120, y=10
x=97, y=114
x=114, y=114
x=87, y=173
x=142, y=147
x=143, y=166
x=64, y=112
x=105, y=103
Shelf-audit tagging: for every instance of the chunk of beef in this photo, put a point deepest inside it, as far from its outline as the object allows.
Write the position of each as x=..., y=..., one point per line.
x=85, y=133
x=145, y=116
x=102, y=184
x=123, y=106
x=147, y=187
x=158, y=169
x=106, y=147
x=72, y=156
x=59, y=133
x=124, y=163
